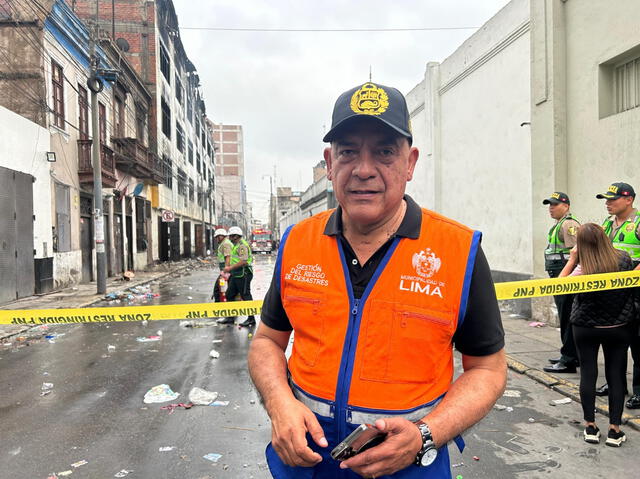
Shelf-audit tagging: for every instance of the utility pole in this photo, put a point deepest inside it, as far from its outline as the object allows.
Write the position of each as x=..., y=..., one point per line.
x=95, y=85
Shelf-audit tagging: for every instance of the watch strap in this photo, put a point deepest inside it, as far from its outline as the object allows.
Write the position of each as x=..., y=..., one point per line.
x=427, y=440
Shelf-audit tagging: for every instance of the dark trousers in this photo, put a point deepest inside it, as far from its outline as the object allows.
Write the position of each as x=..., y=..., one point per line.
x=216, y=290
x=635, y=354
x=240, y=287
x=615, y=342
x=564, y=302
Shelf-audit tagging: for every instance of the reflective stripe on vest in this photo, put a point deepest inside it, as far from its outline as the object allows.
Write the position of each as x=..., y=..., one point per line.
x=625, y=238
x=555, y=245
x=391, y=349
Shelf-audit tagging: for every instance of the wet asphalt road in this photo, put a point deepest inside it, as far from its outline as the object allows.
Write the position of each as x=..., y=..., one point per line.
x=95, y=412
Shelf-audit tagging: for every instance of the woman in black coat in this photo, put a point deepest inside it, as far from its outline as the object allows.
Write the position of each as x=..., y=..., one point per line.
x=601, y=318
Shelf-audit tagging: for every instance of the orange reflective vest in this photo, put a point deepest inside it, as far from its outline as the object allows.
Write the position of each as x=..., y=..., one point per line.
x=390, y=350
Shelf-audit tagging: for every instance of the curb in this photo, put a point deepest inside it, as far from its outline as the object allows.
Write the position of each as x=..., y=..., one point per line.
x=568, y=389
x=100, y=299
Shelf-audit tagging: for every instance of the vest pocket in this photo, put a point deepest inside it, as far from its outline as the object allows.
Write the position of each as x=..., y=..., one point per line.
x=405, y=344
x=308, y=324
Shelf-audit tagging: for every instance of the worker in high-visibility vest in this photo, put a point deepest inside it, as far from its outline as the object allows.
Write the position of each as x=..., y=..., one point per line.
x=377, y=293
x=240, y=268
x=622, y=226
x=562, y=237
x=224, y=259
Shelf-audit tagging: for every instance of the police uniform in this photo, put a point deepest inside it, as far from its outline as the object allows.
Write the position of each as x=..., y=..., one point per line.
x=561, y=238
x=224, y=249
x=626, y=237
x=240, y=280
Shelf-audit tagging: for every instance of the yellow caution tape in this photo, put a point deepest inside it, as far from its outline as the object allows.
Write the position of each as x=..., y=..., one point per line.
x=130, y=313
x=533, y=288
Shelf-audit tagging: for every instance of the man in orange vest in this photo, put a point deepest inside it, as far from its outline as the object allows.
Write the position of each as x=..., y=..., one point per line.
x=378, y=291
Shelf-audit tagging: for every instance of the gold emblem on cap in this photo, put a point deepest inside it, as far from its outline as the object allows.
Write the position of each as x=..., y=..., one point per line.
x=613, y=189
x=556, y=196
x=369, y=99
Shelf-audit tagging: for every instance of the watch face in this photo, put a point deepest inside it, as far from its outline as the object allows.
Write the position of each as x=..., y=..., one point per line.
x=429, y=456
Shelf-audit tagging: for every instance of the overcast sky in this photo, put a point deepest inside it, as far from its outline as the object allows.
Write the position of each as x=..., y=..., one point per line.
x=280, y=86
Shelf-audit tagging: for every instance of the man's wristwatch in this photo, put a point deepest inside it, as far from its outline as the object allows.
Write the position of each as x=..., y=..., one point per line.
x=428, y=453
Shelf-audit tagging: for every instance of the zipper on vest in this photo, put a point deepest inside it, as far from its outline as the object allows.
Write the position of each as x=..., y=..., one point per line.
x=343, y=388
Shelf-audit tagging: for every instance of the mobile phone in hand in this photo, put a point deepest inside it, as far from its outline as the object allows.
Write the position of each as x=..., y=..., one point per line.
x=362, y=438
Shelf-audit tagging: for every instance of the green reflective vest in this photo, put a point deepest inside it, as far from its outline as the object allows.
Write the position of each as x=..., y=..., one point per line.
x=221, y=253
x=626, y=238
x=557, y=246
x=239, y=272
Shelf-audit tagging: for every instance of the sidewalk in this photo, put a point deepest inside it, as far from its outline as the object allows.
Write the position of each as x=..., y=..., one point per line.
x=528, y=348
x=84, y=295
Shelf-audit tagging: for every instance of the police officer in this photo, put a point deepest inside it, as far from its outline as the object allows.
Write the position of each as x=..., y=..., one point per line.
x=224, y=258
x=377, y=292
x=562, y=237
x=241, y=269
x=623, y=228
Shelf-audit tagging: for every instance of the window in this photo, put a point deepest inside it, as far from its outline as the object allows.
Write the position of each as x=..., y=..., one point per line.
x=62, y=229
x=83, y=113
x=190, y=153
x=209, y=150
x=141, y=122
x=182, y=182
x=102, y=117
x=165, y=63
x=141, y=225
x=190, y=109
x=167, y=167
x=191, y=190
x=57, y=87
x=166, y=119
x=179, y=93
x=197, y=130
x=198, y=162
x=118, y=112
x=627, y=85
x=179, y=137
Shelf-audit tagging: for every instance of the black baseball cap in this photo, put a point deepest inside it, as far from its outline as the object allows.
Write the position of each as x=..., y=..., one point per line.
x=557, y=198
x=617, y=190
x=383, y=103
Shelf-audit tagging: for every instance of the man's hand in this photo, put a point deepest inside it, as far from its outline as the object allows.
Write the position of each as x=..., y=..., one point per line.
x=291, y=420
x=397, y=452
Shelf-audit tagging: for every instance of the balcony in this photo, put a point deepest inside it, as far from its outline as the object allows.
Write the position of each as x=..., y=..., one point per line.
x=136, y=159
x=85, y=167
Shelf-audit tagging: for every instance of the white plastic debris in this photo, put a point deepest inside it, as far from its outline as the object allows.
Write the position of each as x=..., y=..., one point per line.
x=202, y=397
x=122, y=473
x=214, y=354
x=212, y=456
x=166, y=448
x=511, y=393
x=160, y=393
x=556, y=402
x=499, y=407
x=110, y=347
x=219, y=403
x=46, y=388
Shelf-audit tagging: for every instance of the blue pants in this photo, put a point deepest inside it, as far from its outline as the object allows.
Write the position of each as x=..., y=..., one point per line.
x=330, y=469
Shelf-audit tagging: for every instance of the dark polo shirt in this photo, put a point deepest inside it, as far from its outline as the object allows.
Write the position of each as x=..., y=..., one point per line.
x=480, y=334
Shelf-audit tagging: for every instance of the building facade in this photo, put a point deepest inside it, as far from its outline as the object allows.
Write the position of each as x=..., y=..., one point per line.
x=544, y=97
x=182, y=204
x=229, y=162
x=156, y=149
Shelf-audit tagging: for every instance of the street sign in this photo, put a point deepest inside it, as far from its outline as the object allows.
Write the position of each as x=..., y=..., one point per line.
x=168, y=216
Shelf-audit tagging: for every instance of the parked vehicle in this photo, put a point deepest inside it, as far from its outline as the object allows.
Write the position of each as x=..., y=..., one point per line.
x=261, y=241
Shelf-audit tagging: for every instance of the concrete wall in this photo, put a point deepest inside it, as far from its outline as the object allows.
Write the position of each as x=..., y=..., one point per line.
x=580, y=145
x=24, y=149
x=475, y=164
